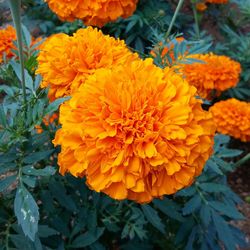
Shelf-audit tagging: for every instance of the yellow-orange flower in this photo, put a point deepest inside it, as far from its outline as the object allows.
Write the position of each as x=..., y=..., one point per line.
x=232, y=117
x=7, y=36
x=216, y=73
x=96, y=13
x=64, y=61
x=201, y=7
x=135, y=131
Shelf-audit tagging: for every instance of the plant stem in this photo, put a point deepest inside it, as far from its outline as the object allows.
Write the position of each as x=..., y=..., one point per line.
x=197, y=29
x=242, y=160
x=174, y=17
x=15, y=7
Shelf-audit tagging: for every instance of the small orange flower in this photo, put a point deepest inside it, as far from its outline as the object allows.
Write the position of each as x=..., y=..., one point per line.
x=64, y=61
x=7, y=36
x=135, y=131
x=47, y=120
x=232, y=117
x=217, y=1
x=217, y=73
x=201, y=7
x=96, y=13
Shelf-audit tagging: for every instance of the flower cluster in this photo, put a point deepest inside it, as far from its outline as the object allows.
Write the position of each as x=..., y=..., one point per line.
x=96, y=12
x=232, y=117
x=7, y=38
x=216, y=73
x=66, y=61
x=135, y=131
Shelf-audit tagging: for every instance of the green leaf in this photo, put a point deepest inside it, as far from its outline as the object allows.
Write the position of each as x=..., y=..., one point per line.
x=45, y=231
x=6, y=182
x=3, y=117
x=205, y=215
x=212, y=165
x=227, y=210
x=153, y=217
x=213, y=187
x=47, y=171
x=229, y=153
x=169, y=208
x=192, y=205
x=26, y=36
x=37, y=156
x=29, y=180
x=88, y=238
x=54, y=105
x=26, y=211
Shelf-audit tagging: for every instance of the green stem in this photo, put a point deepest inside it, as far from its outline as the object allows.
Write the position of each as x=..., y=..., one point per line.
x=15, y=7
x=174, y=17
x=197, y=28
x=242, y=160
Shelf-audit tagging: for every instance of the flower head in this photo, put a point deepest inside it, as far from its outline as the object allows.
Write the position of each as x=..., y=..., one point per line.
x=232, y=117
x=201, y=6
x=65, y=62
x=97, y=12
x=217, y=1
x=135, y=131
x=7, y=36
x=216, y=73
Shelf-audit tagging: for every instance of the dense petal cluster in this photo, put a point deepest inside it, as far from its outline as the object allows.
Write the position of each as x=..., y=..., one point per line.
x=136, y=131
x=66, y=61
x=7, y=36
x=96, y=12
x=232, y=117
x=216, y=73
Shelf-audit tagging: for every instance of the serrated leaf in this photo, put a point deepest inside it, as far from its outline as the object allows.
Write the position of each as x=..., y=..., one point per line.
x=191, y=205
x=6, y=182
x=37, y=156
x=47, y=171
x=88, y=238
x=153, y=217
x=26, y=211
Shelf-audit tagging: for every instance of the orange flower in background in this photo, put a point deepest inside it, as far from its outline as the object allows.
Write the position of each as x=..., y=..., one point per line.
x=135, y=131
x=232, y=117
x=96, y=13
x=201, y=7
x=7, y=36
x=47, y=121
x=65, y=62
x=216, y=73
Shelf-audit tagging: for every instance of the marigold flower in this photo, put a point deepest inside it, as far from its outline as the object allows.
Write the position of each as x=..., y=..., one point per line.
x=135, y=131
x=232, y=117
x=216, y=73
x=201, y=7
x=64, y=61
x=7, y=36
x=217, y=1
x=96, y=13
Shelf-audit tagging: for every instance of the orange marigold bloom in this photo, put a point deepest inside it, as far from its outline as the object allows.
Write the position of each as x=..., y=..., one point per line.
x=96, y=13
x=215, y=73
x=7, y=36
x=232, y=117
x=135, y=131
x=65, y=61
x=201, y=7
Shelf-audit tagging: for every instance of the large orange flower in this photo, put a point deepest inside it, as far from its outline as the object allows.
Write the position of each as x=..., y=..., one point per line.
x=96, y=12
x=64, y=62
x=216, y=73
x=135, y=132
x=7, y=36
x=232, y=117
